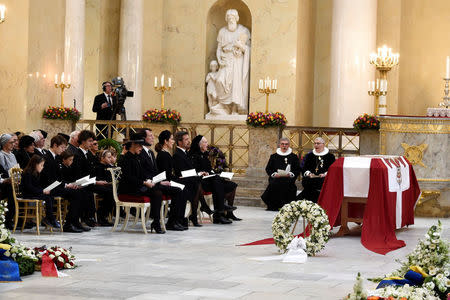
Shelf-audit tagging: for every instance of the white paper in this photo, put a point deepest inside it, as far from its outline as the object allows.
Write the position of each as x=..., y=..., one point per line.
x=52, y=186
x=285, y=172
x=188, y=173
x=176, y=184
x=160, y=177
x=228, y=175
x=81, y=180
x=89, y=182
x=207, y=176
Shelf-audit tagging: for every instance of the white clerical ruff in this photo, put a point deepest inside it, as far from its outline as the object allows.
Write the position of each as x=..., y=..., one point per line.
x=398, y=176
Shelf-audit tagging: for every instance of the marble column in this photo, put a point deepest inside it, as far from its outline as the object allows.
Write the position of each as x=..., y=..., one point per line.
x=130, y=54
x=74, y=52
x=353, y=38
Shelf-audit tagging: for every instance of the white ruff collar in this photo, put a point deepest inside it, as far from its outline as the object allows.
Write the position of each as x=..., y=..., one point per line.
x=324, y=152
x=289, y=151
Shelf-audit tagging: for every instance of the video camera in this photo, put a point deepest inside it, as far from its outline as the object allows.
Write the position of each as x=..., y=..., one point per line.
x=121, y=93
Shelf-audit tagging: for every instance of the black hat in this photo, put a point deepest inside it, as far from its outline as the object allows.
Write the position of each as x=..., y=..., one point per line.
x=44, y=133
x=195, y=146
x=164, y=136
x=137, y=139
x=26, y=141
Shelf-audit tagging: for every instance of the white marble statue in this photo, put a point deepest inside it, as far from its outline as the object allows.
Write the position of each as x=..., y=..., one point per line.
x=232, y=79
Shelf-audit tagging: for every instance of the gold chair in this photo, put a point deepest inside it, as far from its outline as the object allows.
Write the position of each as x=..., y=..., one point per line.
x=31, y=209
x=141, y=203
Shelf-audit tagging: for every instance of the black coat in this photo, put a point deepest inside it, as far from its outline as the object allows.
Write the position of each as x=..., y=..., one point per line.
x=201, y=162
x=51, y=171
x=133, y=176
x=182, y=162
x=68, y=174
x=102, y=172
x=83, y=165
x=149, y=166
x=71, y=149
x=23, y=157
x=164, y=161
x=104, y=113
x=31, y=186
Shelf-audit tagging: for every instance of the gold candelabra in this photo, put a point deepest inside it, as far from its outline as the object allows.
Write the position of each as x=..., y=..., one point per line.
x=384, y=61
x=267, y=86
x=162, y=88
x=446, y=99
x=2, y=13
x=62, y=85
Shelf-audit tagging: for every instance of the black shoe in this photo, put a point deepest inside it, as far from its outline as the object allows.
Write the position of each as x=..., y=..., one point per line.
x=71, y=228
x=194, y=221
x=55, y=224
x=174, y=227
x=104, y=222
x=231, y=216
x=183, y=226
x=227, y=207
x=157, y=227
x=82, y=227
x=90, y=222
x=206, y=209
x=221, y=220
x=185, y=222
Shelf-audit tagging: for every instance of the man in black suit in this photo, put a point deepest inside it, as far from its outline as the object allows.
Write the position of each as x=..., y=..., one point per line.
x=73, y=142
x=148, y=162
x=40, y=137
x=51, y=173
x=104, y=105
x=182, y=163
x=135, y=182
x=84, y=163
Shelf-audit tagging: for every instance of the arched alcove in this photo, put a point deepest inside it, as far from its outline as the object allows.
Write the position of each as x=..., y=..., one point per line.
x=216, y=20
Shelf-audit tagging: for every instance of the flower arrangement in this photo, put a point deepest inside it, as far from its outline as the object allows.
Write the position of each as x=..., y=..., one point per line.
x=431, y=259
x=260, y=119
x=109, y=144
x=25, y=258
x=366, y=121
x=316, y=217
x=61, y=113
x=217, y=158
x=162, y=116
x=62, y=258
x=5, y=235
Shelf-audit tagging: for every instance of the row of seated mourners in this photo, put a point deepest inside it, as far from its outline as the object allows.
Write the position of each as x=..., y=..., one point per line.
x=284, y=167
x=70, y=158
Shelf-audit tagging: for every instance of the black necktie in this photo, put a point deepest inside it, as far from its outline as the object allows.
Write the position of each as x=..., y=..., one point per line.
x=109, y=100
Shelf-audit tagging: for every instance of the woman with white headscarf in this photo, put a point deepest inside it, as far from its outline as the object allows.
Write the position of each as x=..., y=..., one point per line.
x=7, y=158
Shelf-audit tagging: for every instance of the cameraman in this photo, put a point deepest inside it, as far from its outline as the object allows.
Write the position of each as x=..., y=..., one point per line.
x=104, y=105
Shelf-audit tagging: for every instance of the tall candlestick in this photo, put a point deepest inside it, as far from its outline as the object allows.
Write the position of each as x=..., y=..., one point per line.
x=447, y=73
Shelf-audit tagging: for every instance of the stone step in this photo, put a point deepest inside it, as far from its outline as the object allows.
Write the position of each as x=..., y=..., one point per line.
x=249, y=201
x=249, y=191
x=255, y=182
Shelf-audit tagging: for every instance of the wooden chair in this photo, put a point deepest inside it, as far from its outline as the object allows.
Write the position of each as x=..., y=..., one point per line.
x=30, y=209
x=141, y=203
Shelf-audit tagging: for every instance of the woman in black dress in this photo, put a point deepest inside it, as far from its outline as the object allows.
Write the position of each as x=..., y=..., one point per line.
x=103, y=175
x=32, y=189
x=26, y=150
x=220, y=188
x=164, y=162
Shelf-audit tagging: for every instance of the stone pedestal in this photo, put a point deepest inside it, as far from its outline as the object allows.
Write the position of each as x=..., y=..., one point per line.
x=262, y=143
x=369, y=142
x=53, y=127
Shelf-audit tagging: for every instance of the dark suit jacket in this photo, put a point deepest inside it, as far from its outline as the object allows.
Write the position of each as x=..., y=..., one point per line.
x=71, y=148
x=23, y=157
x=84, y=166
x=105, y=113
x=51, y=171
x=132, y=179
x=37, y=152
x=30, y=185
x=182, y=162
x=149, y=167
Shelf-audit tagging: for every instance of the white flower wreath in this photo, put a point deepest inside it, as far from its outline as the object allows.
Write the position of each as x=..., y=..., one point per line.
x=316, y=218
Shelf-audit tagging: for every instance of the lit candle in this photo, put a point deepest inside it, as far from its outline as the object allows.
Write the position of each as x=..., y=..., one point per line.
x=276, y=84
x=370, y=85
x=385, y=85
x=2, y=12
x=273, y=84
x=260, y=86
x=373, y=86
x=56, y=78
x=162, y=80
x=170, y=82
x=378, y=84
x=156, y=81
x=62, y=78
x=447, y=73
x=68, y=79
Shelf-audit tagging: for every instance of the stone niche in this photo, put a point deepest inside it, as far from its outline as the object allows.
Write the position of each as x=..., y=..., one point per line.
x=215, y=21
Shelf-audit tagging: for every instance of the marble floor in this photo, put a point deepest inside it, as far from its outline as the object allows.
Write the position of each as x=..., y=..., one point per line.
x=204, y=263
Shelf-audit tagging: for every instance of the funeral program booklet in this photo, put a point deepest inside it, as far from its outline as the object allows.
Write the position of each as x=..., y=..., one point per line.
x=284, y=172
x=160, y=177
x=188, y=173
x=52, y=186
x=228, y=175
x=176, y=184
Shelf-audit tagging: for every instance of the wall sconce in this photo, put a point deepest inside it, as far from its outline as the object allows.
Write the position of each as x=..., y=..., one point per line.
x=2, y=13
